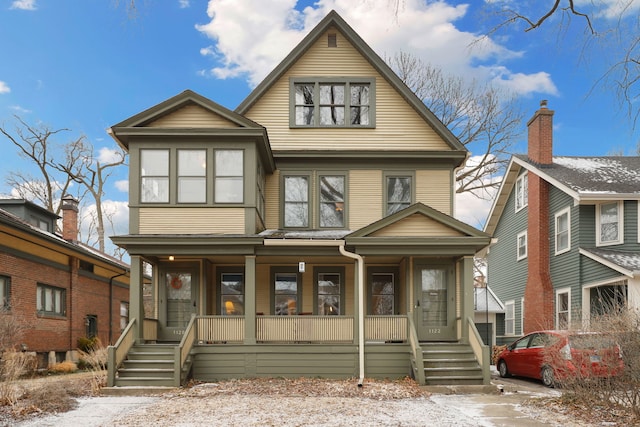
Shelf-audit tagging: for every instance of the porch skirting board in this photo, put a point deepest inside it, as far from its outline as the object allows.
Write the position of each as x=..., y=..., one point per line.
x=220, y=362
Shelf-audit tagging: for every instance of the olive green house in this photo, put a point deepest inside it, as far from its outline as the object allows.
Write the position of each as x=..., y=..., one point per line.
x=307, y=233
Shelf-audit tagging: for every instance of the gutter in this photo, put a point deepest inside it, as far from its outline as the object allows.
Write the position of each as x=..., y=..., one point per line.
x=360, y=264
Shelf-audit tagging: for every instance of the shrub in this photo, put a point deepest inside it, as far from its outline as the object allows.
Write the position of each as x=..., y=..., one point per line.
x=96, y=361
x=66, y=367
x=86, y=344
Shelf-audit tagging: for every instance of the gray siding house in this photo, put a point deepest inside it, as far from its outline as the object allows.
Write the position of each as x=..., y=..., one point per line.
x=565, y=236
x=307, y=233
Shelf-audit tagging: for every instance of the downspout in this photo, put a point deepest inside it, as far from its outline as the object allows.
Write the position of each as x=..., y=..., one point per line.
x=360, y=263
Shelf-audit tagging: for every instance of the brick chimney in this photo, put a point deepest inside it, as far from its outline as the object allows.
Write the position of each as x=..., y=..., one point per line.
x=538, y=295
x=69, y=218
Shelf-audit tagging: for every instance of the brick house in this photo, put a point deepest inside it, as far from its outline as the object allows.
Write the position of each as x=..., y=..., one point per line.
x=566, y=242
x=60, y=288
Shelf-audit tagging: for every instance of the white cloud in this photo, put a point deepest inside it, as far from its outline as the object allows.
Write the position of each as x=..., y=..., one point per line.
x=122, y=185
x=251, y=38
x=4, y=88
x=24, y=5
x=472, y=209
x=109, y=155
x=609, y=9
x=20, y=110
x=183, y=4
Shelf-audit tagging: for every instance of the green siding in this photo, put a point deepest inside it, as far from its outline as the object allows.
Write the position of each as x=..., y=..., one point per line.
x=506, y=275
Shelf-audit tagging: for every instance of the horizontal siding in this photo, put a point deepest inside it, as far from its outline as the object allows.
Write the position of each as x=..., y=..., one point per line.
x=192, y=116
x=181, y=220
x=398, y=126
x=215, y=363
x=365, y=198
x=434, y=188
x=272, y=200
x=417, y=225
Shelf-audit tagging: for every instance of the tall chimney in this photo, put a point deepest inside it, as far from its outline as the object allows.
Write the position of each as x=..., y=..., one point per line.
x=538, y=295
x=69, y=218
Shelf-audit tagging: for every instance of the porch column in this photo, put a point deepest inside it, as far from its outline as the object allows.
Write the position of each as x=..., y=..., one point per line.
x=466, y=293
x=136, y=306
x=250, y=299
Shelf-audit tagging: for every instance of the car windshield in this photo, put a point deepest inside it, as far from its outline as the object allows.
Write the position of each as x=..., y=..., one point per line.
x=591, y=341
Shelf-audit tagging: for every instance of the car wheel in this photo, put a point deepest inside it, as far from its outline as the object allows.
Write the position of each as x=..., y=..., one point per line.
x=547, y=376
x=502, y=369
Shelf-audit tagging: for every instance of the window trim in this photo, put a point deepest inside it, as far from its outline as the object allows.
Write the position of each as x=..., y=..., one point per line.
x=5, y=301
x=395, y=272
x=510, y=320
x=347, y=82
x=520, y=257
x=521, y=316
x=328, y=269
x=229, y=270
x=204, y=177
x=215, y=176
x=566, y=211
x=522, y=182
x=385, y=186
x=141, y=177
x=40, y=290
x=620, y=207
x=345, y=219
x=559, y=292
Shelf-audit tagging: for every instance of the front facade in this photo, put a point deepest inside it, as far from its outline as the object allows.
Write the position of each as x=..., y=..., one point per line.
x=307, y=233
x=566, y=243
x=53, y=288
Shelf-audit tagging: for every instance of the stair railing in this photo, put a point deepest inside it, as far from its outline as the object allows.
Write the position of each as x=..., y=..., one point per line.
x=116, y=353
x=480, y=350
x=417, y=363
x=183, y=350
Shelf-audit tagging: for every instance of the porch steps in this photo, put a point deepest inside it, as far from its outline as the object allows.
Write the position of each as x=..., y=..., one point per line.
x=147, y=365
x=450, y=364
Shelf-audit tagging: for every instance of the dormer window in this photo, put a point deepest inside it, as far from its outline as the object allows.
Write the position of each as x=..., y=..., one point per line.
x=332, y=103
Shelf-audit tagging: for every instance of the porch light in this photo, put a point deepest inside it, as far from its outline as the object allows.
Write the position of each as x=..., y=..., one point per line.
x=171, y=257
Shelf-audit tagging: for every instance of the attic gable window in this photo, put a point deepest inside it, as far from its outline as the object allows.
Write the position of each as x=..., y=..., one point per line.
x=332, y=103
x=522, y=192
x=332, y=40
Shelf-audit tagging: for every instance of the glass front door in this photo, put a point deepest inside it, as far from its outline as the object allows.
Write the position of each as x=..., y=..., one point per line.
x=435, y=303
x=178, y=301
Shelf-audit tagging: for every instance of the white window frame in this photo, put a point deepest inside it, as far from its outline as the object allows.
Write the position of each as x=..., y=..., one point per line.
x=510, y=318
x=522, y=192
x=522, y=316
x=566, y=211
x=520, y=256
x=559, y=292
x=620, y=206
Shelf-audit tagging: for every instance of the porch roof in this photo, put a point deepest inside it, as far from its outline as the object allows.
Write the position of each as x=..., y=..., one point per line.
x=627, y=263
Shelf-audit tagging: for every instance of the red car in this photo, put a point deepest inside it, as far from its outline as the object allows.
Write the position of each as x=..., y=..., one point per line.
x=557, y=356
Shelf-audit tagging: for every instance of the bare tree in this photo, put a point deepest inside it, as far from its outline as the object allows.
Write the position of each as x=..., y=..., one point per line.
x=614, y=26
x=35, y=143
x=93, y=176
x=486, y=119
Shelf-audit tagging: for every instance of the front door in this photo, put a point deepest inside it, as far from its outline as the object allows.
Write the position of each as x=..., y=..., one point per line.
x=178, y=301
x=435, y=303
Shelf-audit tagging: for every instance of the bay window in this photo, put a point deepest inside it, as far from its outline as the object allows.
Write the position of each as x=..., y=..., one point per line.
x=192, y=176
x=229, y=176
x=154, y=180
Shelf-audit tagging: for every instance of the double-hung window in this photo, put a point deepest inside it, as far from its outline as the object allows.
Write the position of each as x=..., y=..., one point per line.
x=296, y=201
x=192, y=176
x=382, y=288
x=332, y=103
x=609, y=223
x=522, y=191
x=329, y=290
x=399, y=193
x=154, y=180
x=232, y=293
x=563, y=231
x=510, y=317
x=563, y=306
x=229, y=176
x=5, y=291
x=286, y=291
x=332, y=201
x=51, y=300
x=521, y=241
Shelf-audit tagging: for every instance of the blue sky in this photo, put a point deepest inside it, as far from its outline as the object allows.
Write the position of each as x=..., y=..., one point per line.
x=86, y=65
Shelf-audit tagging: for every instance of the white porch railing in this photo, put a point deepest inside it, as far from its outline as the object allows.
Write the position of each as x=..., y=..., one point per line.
x=304, y=329
x=314, y=329
x=218, y=329
x=385, y=328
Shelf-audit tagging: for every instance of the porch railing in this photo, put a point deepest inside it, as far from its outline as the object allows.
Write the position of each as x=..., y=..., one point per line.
x=385, y=328
x=182, y=352
x=117, y=352
x=481, y=350
x=417, y=363
x=304, y=329
x=220, y=329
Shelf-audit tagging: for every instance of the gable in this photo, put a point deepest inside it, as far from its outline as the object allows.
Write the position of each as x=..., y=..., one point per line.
x=396, y=120
x=192, y=116
x=417, y=225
